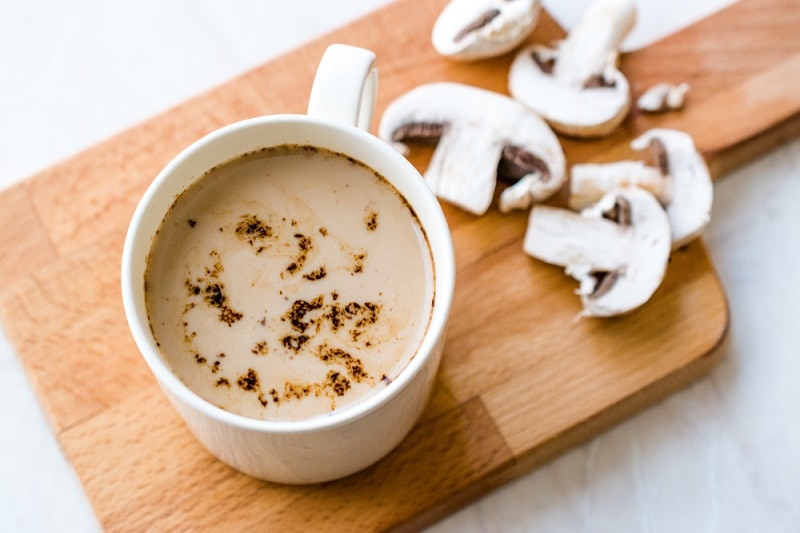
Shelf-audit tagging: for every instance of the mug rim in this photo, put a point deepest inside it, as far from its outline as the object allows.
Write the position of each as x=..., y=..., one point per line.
x=443, y=269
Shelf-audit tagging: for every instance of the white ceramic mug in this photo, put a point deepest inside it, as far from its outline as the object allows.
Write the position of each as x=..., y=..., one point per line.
x=323, y=448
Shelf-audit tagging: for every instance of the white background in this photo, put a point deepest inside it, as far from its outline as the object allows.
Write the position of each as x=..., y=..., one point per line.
x=722, y=455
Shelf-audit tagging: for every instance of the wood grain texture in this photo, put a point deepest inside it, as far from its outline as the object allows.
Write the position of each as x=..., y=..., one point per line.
x=521, y=379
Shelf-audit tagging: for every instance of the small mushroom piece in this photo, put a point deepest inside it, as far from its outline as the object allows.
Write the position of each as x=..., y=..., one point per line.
x=467, y=30
x=678, y=177
x=663, y=97
x=576, y=86
x=481, y=137
x=617, y=249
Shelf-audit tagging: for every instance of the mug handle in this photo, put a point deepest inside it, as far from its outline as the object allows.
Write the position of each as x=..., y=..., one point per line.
x=346, y=86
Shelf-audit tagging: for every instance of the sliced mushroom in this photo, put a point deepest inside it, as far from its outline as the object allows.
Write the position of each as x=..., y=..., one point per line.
x=663, y=97
x=467, y=30
x=591, y=181
x=480, y=136
x=576, y=86
x=678, y=177
x=617, y=249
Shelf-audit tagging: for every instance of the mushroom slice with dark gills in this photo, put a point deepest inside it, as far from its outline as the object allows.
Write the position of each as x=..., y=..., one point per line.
x=576, y=86
x=616, y=249
x=676, y=174
x=468, y=30
x=480, y=136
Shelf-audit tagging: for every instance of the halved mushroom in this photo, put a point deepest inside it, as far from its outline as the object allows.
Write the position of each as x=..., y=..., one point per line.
x=678, y=177
x=576, y=86
x=617, y=249
x=467, y=30
x=480, y=136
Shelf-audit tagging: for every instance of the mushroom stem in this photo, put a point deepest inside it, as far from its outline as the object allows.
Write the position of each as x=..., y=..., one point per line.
x=592, y=44
x=476, y=168
x=590, y=181
x=563, y=238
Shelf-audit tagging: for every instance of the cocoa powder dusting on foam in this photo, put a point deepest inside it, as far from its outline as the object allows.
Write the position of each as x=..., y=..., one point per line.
x=309, y=317
x=337, y=356
x=335, y=316
x=212, y=292
x=229, y=316
x=260, y=348
x=314, y=275
x=358, y=263
x=275, y=396
x=295, y=342
x=305, y=244
x=251, y=229
x=215, y=367
x=249, y=382
x=364, y=314
x=334, y=385
x=300, y=310
x=328, y=331
x=371, y=220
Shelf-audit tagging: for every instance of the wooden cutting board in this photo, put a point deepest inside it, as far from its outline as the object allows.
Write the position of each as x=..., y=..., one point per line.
x=521, y=380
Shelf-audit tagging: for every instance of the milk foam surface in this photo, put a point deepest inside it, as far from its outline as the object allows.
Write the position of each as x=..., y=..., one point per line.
x=289, y=283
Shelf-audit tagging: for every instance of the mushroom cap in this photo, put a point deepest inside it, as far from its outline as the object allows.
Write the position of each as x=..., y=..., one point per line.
x=468, y=30
x=691, y=190
x=572, y=109
x=475, y=130
x=618, y=265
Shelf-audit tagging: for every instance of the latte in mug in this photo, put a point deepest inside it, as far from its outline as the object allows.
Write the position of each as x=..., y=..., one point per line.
x=289, y=283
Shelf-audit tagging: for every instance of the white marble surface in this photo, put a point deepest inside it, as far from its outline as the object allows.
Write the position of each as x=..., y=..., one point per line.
x=723, y=455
